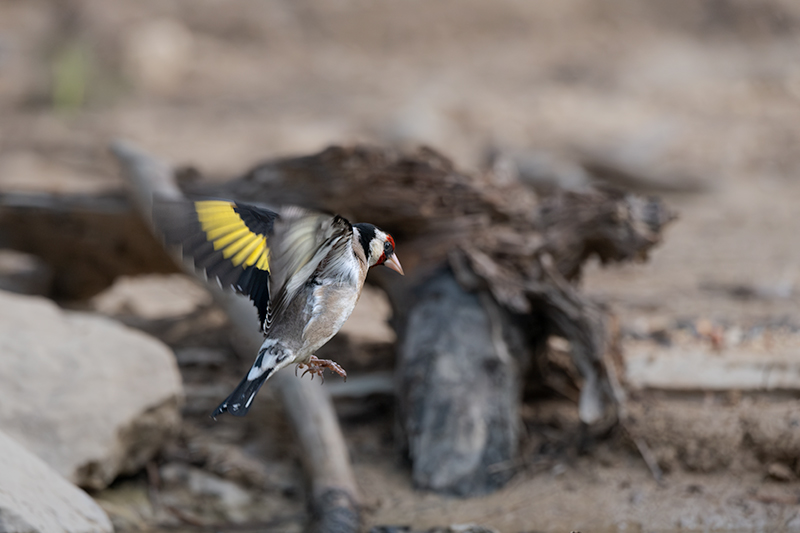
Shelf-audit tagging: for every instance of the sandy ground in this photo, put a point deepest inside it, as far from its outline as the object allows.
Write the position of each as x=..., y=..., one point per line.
x=701, y=93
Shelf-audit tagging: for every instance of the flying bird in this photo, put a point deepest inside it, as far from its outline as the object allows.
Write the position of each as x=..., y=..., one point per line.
x=303, y=271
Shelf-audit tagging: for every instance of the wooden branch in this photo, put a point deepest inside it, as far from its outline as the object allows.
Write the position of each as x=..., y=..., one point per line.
x=86, y=240
x=335, y=499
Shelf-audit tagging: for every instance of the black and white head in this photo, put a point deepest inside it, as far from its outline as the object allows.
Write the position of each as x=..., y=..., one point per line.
x=378, y=247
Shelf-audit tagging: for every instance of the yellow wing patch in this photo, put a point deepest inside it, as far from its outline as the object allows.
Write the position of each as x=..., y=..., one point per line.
x=226, y=230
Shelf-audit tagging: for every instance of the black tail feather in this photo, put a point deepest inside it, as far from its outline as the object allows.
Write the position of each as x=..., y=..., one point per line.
x=240, y=400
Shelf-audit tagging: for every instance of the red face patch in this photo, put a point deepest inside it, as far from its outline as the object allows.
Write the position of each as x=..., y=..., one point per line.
x=388, y=249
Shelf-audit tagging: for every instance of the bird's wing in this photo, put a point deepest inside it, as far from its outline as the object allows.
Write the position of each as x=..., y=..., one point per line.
x=227, y=240
x=304, y=241
x=258, y=252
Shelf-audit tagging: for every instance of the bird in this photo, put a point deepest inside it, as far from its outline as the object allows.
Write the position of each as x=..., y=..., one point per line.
x=302, y=269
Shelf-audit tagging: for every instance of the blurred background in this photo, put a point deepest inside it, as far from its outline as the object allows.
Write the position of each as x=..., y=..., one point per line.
x=696, y=101
x=700, y=95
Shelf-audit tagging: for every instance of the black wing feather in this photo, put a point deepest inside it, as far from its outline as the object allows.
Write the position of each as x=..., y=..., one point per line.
x=255, y=283
x=202, y=229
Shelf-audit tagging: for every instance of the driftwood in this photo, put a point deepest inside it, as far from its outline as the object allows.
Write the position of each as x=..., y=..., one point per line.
x=88, y=241
x=335, y=499
x=517, y=254
x=498, y=238
x=459, y=390
x=523, y=249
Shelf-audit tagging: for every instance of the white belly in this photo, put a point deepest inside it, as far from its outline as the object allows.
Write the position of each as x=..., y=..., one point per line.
x=329, y=306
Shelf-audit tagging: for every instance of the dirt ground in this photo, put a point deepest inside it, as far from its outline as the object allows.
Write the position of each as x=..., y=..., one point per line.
x=701, y=97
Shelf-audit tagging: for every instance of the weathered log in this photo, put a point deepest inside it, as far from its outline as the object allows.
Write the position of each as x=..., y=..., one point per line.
x=86, y=240
x=526, y=250
x=335, y=500
x=499, y=238
x=459, y=391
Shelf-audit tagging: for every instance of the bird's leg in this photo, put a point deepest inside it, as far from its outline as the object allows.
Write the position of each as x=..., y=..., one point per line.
x=317, y=367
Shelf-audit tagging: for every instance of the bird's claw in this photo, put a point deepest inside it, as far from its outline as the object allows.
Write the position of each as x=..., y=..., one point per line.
x=314, y=372
x=316, y=367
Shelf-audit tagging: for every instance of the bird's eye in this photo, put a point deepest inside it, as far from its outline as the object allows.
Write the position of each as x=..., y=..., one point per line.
x=388, y=249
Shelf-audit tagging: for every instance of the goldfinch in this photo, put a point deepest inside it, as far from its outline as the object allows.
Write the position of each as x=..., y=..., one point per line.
x=303, y=271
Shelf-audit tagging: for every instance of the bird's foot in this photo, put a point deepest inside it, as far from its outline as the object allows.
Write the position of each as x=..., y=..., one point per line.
x=316, y=366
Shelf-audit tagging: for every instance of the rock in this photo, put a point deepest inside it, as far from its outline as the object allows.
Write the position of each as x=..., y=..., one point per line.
x=210, y=492
x=780, y=472
x=34, y=498
x=772, y=430
x=719, y=433
x=152, y=297
x=698, y=437
x=458, y=392
x=89, y=396
x=129, y=506
x=24, y=273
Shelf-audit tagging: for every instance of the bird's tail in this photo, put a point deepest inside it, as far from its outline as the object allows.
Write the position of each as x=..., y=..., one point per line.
x=239, y=401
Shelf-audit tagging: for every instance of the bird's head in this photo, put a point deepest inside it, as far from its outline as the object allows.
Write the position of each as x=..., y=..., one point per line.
x=378, y=247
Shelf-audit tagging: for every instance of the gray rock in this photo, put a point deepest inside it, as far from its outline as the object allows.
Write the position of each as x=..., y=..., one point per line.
x=34, y=498
x=89, y=396
x=152, y=296
x=209, y=493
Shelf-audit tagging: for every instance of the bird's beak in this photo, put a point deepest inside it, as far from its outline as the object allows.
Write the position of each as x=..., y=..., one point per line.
x=394, y=264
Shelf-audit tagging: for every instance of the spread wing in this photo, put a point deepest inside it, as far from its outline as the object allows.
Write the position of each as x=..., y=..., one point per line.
x=303, y=241
x=254, y=250
x=226, y=240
